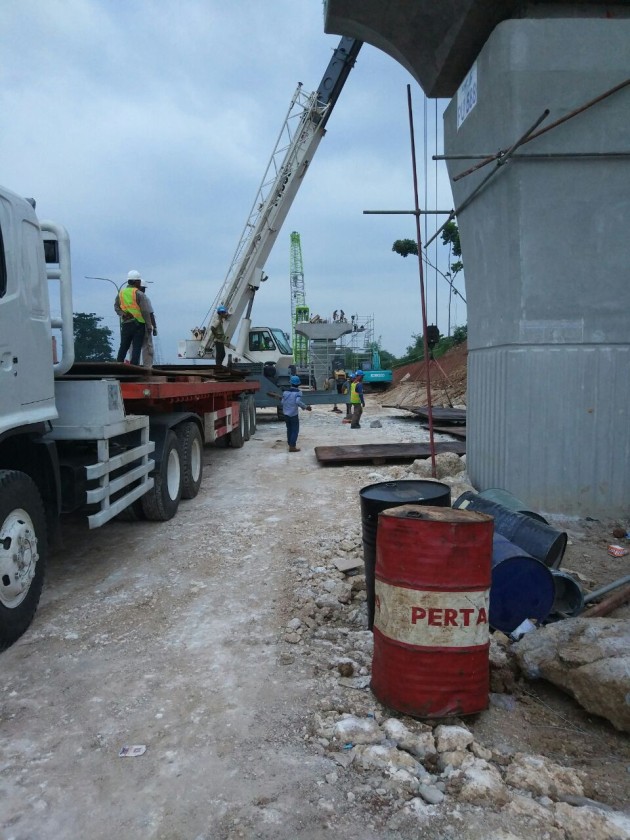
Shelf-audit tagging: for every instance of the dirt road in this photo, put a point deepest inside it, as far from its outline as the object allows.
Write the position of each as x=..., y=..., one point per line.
x=182, y=637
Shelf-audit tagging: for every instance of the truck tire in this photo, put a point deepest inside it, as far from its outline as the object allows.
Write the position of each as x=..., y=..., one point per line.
x=192, y=458
x=252, y=415
x=237, y=438
x=244, y=412
x=161, y=502
x=23, y=551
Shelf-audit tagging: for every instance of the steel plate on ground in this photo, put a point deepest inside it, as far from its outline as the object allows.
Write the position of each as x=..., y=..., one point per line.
x=454, y=431
x=441, y=415
x=382, y=452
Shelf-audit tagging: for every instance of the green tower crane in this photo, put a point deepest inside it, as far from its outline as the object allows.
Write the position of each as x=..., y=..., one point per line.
x=299, y=309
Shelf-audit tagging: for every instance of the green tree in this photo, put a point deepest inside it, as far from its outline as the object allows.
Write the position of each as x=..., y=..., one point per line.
x=450, y=236
x=92, y=343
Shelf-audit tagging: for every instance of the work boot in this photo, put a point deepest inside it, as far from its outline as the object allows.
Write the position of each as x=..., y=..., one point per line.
x=294, y=449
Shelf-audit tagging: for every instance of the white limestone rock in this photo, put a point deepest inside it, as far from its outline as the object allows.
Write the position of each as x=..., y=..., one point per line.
x=386, y=759
x=480, y=784
x=452, y=738
x=354, y=730
x=587, y=657
x=591, y=824
x=420, y=744
x=541, y=777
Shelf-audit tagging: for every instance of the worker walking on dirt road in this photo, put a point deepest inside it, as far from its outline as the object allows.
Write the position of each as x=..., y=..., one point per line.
x=357, y=399
x=135, y=318
x=291, y=404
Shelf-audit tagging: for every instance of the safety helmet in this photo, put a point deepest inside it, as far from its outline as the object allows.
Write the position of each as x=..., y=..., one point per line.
x=133, y=275
x=295, y=380
x=221, y=310
x=359, y=373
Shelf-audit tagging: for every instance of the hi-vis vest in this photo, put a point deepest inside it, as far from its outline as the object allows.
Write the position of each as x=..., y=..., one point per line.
x=129, y=303
x=354, y=397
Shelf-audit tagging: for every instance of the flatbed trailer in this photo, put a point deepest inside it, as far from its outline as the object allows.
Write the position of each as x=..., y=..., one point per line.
x=169, y=415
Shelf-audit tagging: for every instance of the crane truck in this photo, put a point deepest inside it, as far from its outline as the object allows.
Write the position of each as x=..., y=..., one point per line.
x=101, y=440
x=266, y=352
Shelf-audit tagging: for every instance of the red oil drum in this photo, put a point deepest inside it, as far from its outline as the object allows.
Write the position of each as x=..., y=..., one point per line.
x=431, y=632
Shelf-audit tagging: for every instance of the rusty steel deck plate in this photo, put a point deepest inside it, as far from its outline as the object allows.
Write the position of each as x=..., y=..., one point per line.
x=455, y=430
x=442, y=415
x=380, y=453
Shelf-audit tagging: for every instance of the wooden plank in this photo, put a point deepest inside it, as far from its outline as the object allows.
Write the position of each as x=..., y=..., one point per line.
x=383, y=452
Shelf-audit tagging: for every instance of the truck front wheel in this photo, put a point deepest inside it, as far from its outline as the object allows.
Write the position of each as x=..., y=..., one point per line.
x=162, y=501
x=23, y=548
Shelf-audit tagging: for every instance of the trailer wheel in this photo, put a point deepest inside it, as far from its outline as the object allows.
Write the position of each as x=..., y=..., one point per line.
x=23, y=549
x=162, y=501
x=192, y=458
x=237, y=435
x=244, y=412
x=252, y=414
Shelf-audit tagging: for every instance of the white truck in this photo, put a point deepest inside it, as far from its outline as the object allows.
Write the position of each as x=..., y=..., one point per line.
x=104, y=439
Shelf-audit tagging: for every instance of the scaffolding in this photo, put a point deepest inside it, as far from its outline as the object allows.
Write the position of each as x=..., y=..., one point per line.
x=351, y=350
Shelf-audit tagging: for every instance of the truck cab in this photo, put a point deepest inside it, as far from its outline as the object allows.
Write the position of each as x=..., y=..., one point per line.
x=27, y=391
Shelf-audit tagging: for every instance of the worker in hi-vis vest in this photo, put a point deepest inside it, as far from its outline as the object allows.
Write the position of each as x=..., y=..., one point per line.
x=135, y=318
x=357, y=401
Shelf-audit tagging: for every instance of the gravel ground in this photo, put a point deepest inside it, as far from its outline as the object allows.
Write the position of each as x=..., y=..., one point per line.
x=174, y=636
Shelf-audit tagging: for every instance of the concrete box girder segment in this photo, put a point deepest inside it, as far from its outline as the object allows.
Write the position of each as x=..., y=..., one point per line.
x=435, y=41
x=323, y=332
x=438, y=40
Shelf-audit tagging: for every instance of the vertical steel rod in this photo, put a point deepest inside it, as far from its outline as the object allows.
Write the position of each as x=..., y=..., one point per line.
x=422, y=295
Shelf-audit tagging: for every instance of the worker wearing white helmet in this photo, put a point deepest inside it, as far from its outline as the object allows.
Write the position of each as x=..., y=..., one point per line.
x=135, y=317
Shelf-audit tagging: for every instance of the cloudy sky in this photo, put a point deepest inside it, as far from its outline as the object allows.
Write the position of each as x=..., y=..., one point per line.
x=145, y=127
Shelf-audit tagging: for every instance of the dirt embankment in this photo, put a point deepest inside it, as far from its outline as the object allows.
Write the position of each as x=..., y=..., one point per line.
x=447, y=378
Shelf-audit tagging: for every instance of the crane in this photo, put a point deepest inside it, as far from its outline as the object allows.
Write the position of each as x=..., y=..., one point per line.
x=299, y=309
x=299, y=137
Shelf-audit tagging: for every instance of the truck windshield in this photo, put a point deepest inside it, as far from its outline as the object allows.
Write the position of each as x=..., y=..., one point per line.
x=281, y=341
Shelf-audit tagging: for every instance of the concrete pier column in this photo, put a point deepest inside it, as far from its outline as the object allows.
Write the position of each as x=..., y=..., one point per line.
x=547, y=265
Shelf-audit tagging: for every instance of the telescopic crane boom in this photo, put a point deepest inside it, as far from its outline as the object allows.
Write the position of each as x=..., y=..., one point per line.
x=297, y=142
